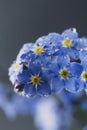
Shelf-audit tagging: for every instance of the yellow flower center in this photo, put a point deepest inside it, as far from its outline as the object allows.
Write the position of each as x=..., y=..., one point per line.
x=38, y=50
x=36, y=80
x=67, y=43
x=64, y=73
x=16, y=66
x=84, y=76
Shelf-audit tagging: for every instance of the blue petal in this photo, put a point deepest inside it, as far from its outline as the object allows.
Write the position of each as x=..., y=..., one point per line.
x=76, y=69
x=73, y=53
x=70, y=33
x=72, y=85
x=25, y=49
x=57, y=84
x=83, y=54
x=55, y=38
x=84, y=62
x=53, y=68
x=63, y=61
x=44, y=89
x=82, y=42
x=30, y=90
x=35, y=68
x=84, y=85
x=23, y=77
x=44, y=40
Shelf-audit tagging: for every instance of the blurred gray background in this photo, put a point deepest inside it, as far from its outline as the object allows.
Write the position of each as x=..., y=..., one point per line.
x=24, y=21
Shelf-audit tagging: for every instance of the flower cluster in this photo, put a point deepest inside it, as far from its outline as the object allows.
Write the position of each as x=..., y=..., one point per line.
x=53, y=63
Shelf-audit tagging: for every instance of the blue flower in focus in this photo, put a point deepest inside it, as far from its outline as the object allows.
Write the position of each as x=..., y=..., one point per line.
x=83, y=76
x=24, y=50
x=13, y=70
x=36, y=81
x=69, y=43
x=65, y=76
x=51, y=40
x=83, y=54
x=36, y=52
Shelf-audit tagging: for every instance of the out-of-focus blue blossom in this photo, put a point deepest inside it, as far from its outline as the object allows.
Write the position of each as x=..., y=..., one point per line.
x=70, y=100
x=15, y=104
x=3, y=95
x=85, y=128
x=50, y=116
x=19, y=105
x=83, y=105
x=5, y=103
x=54, y=112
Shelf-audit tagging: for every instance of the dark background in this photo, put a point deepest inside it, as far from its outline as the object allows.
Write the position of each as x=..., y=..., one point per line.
x=24, y=21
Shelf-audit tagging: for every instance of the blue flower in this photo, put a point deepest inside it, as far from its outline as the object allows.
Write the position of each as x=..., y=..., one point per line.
x=52, y=41
x=50, y=116
x=83, y=76
x=44, y=48
x=83, y=54
x=35, y=80
x=82, y=43
x=69, y=43
x=13, y=70
x=23, y=52
x=36, y=52
x=70, y=33
x=66, y=76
